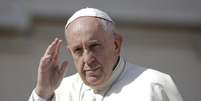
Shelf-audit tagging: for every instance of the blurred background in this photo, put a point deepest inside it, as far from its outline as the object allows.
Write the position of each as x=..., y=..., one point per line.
x=160, y=34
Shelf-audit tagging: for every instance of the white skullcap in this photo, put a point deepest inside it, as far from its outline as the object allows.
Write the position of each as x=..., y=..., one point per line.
x=88, y=12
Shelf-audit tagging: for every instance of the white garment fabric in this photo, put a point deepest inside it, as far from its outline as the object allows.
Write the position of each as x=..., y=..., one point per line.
x=128, y=82
x=35, y=97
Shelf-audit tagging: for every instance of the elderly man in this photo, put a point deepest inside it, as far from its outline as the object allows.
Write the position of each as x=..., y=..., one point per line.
x=103, y=74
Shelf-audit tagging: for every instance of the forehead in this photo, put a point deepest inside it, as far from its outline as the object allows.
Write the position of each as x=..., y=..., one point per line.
x=85, y=29
x=84, y=24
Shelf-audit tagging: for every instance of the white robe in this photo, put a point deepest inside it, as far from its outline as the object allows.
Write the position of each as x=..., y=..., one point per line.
x=128, y=82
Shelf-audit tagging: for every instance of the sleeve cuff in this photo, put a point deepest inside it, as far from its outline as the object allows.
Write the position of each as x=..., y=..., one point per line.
x=37, y=97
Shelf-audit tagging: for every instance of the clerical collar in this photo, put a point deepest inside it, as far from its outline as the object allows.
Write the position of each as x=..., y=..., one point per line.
x=115, y=74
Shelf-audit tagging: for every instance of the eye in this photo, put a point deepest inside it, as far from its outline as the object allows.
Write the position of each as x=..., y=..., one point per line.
x=95, y=45
x=77, y=50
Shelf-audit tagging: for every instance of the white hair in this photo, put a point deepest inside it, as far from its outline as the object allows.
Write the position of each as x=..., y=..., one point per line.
x=108, y=26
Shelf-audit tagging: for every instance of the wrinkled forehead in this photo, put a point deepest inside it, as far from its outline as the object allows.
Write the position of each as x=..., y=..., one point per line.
x=85, y=21
x=85, y=28
x=84, y=25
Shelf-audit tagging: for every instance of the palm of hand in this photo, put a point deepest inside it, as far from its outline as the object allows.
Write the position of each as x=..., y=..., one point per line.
x=50, y=73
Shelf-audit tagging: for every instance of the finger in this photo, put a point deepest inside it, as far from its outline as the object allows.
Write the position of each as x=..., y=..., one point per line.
x=51, y=48
x=63, y=68
x=57, y=50
x=46, y=58
x=44, y=62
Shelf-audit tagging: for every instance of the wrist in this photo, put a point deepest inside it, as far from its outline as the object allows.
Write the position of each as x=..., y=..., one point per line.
x=47, y=95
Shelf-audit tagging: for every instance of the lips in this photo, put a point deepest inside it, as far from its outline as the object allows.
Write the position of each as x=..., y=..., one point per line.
x=92, y=68
x=93, y=72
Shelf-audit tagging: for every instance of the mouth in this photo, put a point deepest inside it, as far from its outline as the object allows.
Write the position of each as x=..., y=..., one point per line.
x=93, y=72
x=92, y=68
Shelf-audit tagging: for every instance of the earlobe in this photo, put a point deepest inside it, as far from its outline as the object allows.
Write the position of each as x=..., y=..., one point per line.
x=118, y=43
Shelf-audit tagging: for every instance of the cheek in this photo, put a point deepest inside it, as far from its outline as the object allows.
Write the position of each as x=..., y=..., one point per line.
x=78, y=65
x=108, y=55
x=109, y=60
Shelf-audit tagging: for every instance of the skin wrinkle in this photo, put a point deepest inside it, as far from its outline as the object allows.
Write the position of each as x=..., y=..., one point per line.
x=94, y=50
x=107, y=25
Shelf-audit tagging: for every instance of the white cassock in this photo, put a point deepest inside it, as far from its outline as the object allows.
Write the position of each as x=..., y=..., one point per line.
x=128, y=82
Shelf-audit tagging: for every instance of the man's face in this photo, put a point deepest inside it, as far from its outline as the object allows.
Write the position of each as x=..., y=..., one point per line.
x=94, y=51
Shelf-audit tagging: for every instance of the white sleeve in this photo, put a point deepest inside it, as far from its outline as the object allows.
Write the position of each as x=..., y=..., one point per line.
x=165, y=91
x=35, y=97
x=158, y=93
x=171, y=90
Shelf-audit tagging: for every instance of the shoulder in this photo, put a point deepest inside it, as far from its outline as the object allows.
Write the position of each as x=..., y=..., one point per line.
x=158, y=83
x=146, y=72
x=146, y=82
x=140, y=73
x=155, y=74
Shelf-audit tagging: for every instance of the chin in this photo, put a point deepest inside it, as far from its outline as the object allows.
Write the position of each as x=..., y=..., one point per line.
x=93, y=83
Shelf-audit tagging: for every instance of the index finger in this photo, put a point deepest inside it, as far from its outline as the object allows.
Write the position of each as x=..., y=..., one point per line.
x=57, y=50
x=51, y=48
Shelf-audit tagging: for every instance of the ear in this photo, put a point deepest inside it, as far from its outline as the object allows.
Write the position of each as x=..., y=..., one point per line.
x=118, y=43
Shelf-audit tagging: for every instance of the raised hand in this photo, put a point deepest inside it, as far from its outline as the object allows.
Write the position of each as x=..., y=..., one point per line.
x=50, y=73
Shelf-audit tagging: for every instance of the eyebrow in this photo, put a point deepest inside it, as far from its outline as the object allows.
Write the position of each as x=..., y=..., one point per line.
x=92, y=41
x=88, y=43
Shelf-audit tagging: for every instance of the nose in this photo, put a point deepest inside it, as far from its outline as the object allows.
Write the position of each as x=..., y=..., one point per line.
x=89, y=58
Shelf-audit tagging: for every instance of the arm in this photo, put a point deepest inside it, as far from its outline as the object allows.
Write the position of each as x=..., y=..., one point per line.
x=50, y=73
x=165, y=91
